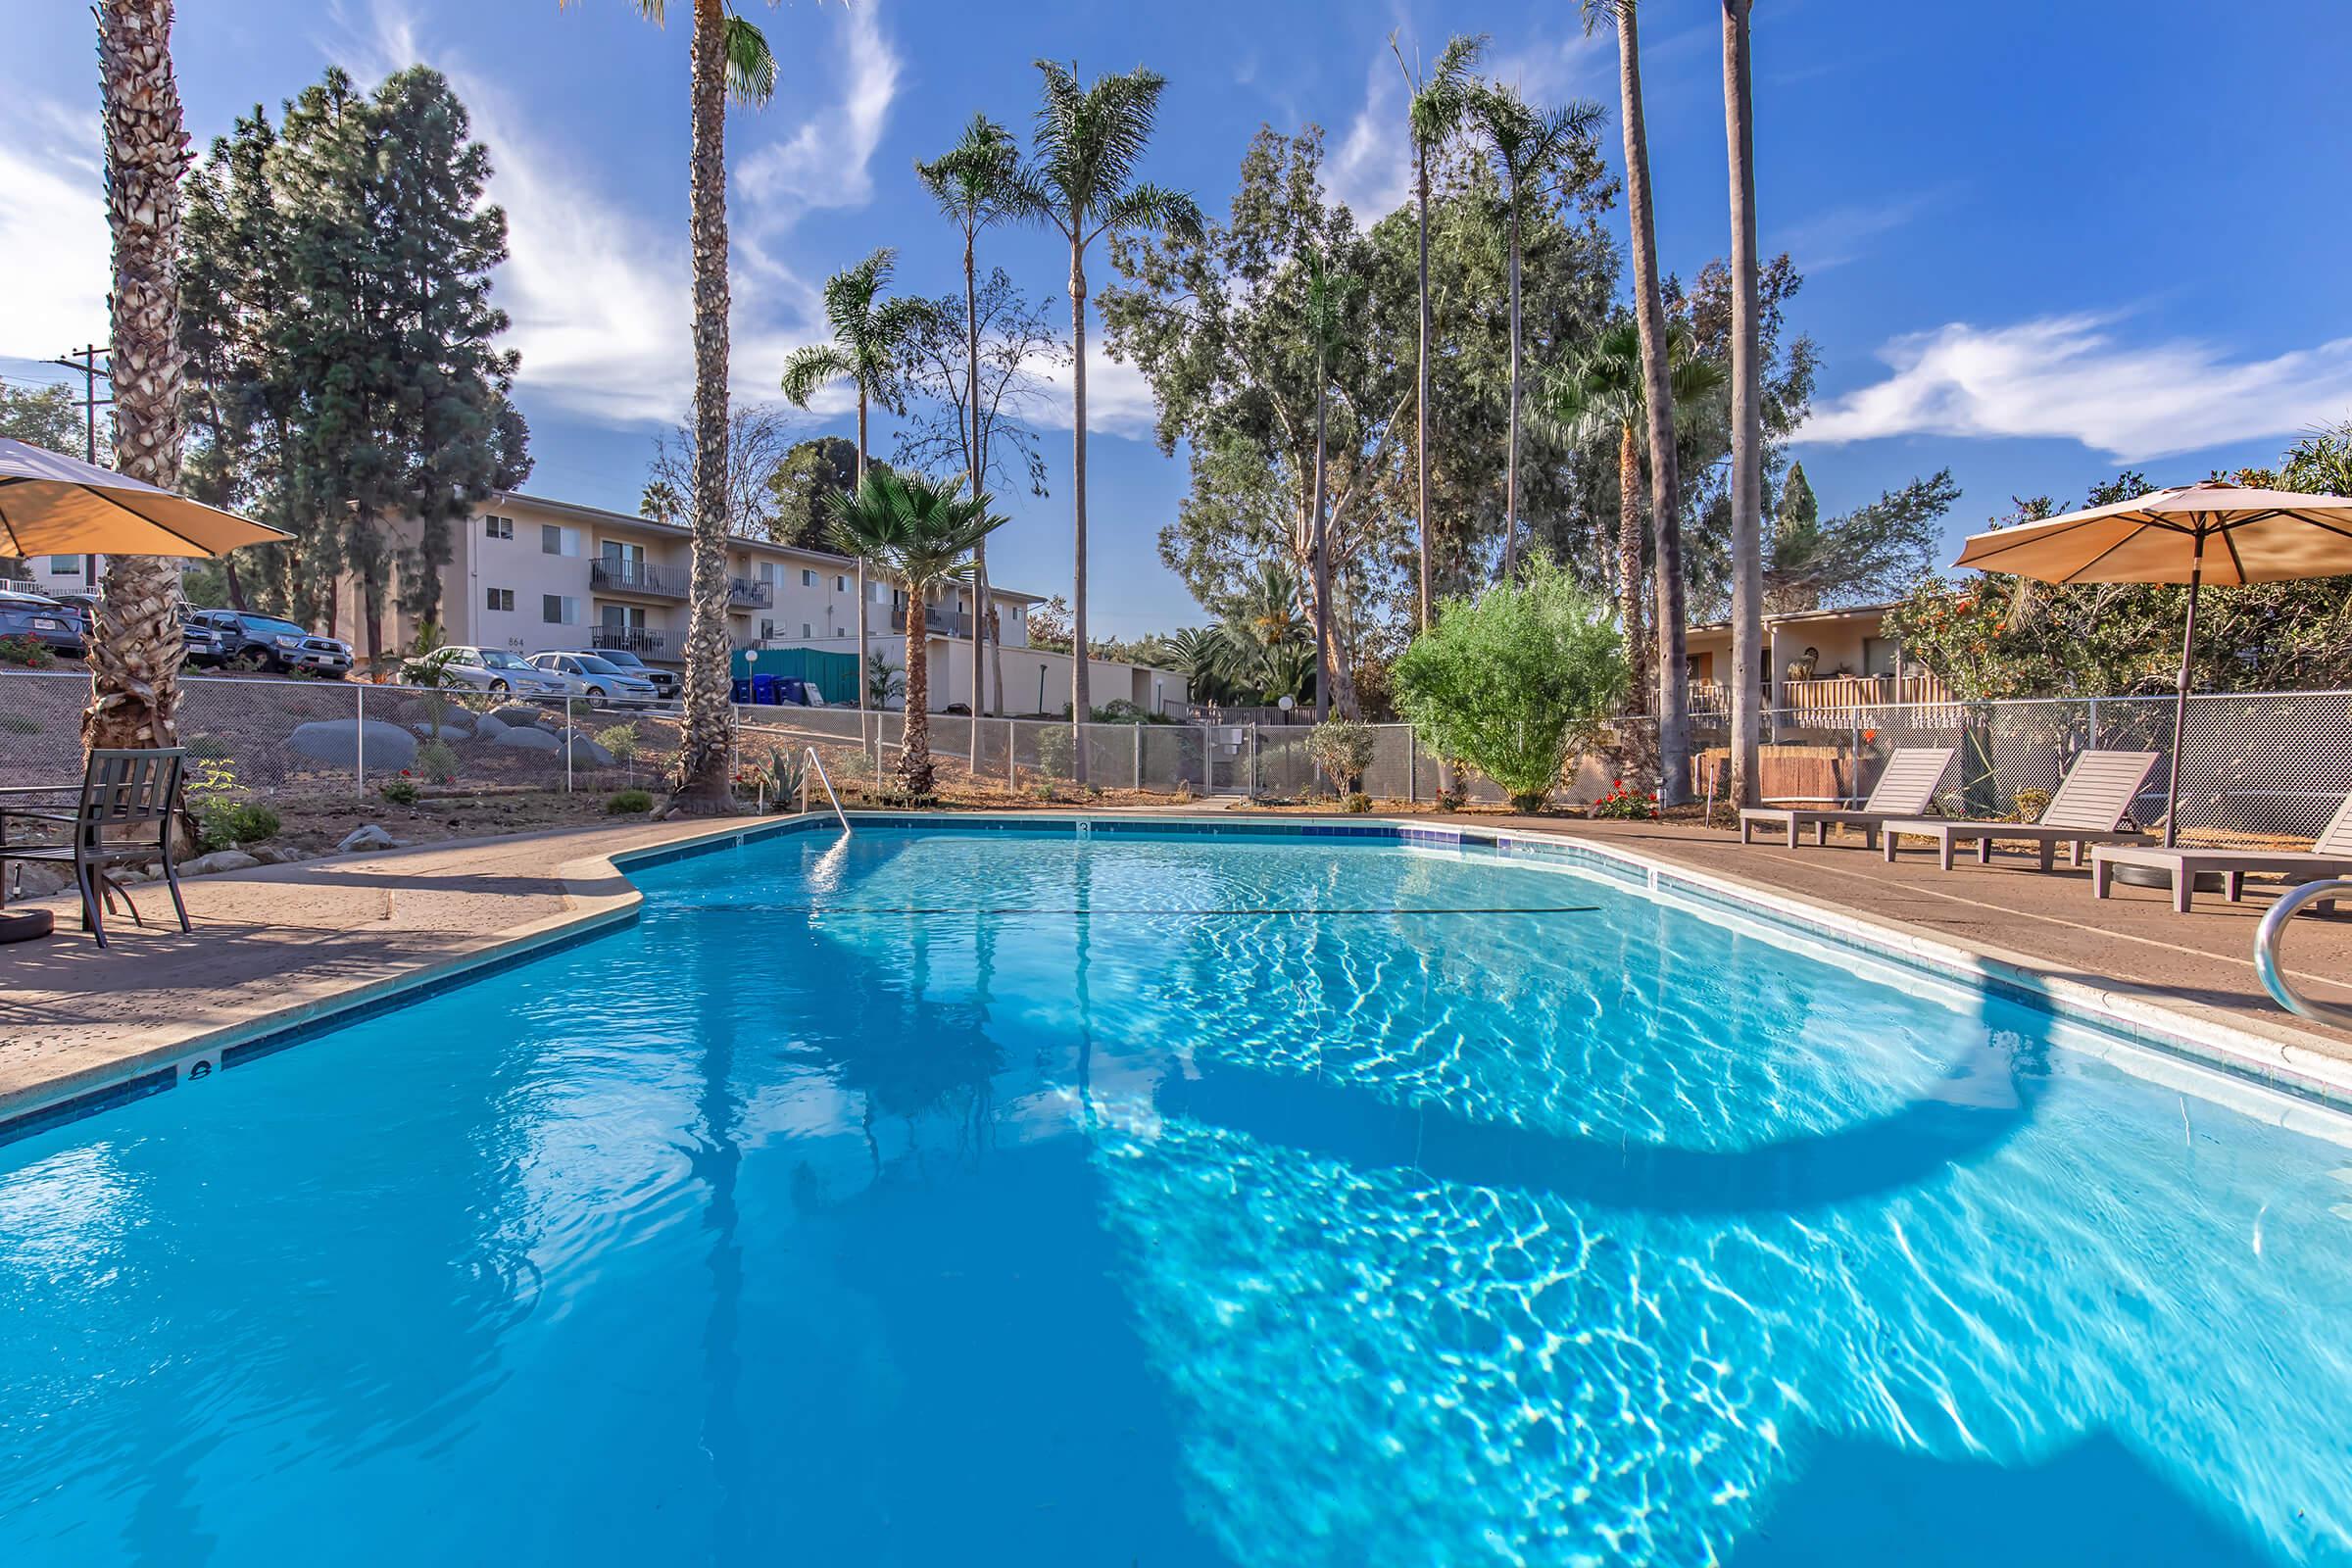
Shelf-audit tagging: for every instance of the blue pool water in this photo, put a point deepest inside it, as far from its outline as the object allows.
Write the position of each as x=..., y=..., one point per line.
x=784, y=1225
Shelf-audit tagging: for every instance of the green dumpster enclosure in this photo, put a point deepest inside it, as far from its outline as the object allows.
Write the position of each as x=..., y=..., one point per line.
x=834, y=675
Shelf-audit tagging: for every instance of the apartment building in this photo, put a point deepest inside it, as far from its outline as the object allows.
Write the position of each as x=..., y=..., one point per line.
x=529, y=572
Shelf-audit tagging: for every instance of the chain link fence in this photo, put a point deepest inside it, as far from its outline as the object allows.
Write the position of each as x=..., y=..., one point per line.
x=2255, y=767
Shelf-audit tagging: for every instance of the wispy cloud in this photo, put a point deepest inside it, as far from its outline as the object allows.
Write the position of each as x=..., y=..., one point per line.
x=2071, y=377
x=828, y=159
x=55, y=252
x=1841, y=234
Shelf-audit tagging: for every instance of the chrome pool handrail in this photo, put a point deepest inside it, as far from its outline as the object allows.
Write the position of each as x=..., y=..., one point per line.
x=2273, y=931
x=818, y=763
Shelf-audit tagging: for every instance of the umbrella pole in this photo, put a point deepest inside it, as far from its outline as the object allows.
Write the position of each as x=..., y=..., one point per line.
x=2189, y=642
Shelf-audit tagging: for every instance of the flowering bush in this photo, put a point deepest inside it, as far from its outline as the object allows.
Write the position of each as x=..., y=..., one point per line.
x=1624, y=804
x=400, y=791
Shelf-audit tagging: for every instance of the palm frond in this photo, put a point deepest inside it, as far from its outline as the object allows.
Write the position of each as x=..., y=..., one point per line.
x=1089, y=139
x=1441, y=99
x=971, y=179
x=1150, y=206
x=809, y=371
x=751, y=64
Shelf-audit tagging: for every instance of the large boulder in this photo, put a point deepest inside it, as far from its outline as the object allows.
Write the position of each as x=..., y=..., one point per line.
x=517, y=715
x=489, y=727
x=528, y=739
x=585, y=753
x=336, y=742
x=369, y=837
x=426, y=729
x=219, y=861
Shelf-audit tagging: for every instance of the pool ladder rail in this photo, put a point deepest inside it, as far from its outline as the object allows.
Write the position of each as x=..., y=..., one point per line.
x=818, y=763
x=2273, y=931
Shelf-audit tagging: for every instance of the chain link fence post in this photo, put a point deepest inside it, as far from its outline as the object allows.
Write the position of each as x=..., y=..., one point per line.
x=567, y=741
x=359, y=743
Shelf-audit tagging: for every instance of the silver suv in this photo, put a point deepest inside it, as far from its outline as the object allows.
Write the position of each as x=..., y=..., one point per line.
x=496, y=672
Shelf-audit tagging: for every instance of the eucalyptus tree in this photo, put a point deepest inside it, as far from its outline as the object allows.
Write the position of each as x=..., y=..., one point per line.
x=1672, y=698
x=1747, y=409
x=870, y=334
x=973, y=182
x=1325, y=321
x=136, y=652
x=731, y=58
x=1433, y=108
x=925, y=535
x=1529, y=147
x=1083, y=183
x=1603, y=395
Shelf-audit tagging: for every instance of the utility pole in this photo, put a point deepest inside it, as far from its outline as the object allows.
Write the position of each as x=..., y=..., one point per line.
x=85, y=360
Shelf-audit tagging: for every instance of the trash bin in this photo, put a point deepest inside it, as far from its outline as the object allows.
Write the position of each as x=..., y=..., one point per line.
x=743, y=691
x=764, y=690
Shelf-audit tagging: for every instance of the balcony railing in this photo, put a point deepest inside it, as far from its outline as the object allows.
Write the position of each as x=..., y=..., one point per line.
x=751, y=591
x=940, y=622
x=639, y=577
x=629, y=640
x=1828, y=698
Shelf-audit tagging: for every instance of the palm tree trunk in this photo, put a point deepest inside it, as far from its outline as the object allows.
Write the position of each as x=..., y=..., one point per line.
x=1748, y=431
x=1322, y=557
x=1629, y=568
x=971, y=390
x=1421, y=380
x=1080, y=696
x=702, y=782
x=1510, y=489
x=1673, y=697
x=135, y=655
x=914, y=757
x=863, y=739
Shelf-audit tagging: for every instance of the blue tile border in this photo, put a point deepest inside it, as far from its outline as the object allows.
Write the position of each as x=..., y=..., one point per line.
x=1623, y=867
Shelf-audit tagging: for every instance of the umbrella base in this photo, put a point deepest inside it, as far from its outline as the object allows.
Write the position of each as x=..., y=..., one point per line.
x=25, y=925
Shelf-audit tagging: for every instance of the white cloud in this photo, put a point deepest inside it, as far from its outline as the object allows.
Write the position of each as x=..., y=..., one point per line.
x=56, y=256
x=1839, y=234
x=827, y=162
x=1118, y=396
x=2069, y=376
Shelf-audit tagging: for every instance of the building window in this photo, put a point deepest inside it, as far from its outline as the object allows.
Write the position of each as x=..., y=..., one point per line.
x=841, y=585
x=497, y=527
x=558, y=610
x=804, y=631
x=65, y=563
x=808, y=576
x=555, y=541
x=501, y=599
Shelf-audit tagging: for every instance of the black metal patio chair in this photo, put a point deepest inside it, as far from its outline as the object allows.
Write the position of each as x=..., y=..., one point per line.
x=127, y=802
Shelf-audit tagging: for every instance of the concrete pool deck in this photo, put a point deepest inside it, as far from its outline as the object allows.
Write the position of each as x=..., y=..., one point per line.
x=277, y=947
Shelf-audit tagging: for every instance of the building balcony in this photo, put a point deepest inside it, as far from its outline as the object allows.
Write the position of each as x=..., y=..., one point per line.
x=639, y=577
x=631, y=640
x=938, y=621
x=1827, y=698
x=747, y=592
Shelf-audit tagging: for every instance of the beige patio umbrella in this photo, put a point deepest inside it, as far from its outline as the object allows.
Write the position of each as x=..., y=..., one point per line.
x=2211, y=532
x=51, y=505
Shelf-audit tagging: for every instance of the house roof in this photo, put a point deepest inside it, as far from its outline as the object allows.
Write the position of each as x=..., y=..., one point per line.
x=1798, y=617
x=575, y=509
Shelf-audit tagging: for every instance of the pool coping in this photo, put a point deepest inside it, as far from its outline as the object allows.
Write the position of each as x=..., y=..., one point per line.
x=2276, y=1057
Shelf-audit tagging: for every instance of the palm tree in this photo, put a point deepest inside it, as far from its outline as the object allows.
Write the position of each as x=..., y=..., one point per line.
x=1436, y=108
x=1083, y=184
x=1263, y=639
x=1528, y=145
x=1605, y=395
x=135, y=655
x=730, y=59
x=1747, y=408
x=869, y=334
x=924, y=535
x=1673, y=697
x=972, y=181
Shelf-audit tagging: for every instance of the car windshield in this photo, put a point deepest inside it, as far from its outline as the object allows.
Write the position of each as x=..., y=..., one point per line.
x=500, y=658
x=595, y=665
x=617, y=660
x=263, y=623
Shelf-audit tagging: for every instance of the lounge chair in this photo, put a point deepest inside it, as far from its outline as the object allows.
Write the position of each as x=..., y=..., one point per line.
x=123, y=814
x=2330, y=856
x=2090, y=807
x=1906, y=788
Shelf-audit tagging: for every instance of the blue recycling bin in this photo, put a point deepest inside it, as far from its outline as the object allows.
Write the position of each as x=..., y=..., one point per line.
x=743, y=691
x=792, y=691
x=764, y=691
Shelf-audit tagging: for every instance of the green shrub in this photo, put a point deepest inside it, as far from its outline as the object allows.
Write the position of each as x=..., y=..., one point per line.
x=24, y=651
x=400, y=791
x=19, y=724
x=1358, y=803
x=223, y=824
x=1625, y=805
x=209, y=749
x=628, y=802
x=1343, y=749
x=1055, y=750
x=2031, y=804
x=1502, y=681
x=437, y=760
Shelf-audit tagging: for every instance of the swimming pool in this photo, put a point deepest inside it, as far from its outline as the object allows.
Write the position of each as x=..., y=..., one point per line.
x=1014, y=1198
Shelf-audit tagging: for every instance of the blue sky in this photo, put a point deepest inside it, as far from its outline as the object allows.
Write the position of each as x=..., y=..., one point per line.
x=2040, y=242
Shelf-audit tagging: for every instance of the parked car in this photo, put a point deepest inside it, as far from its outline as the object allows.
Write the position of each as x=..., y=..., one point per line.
x=602, y=681
x=280, y=647
x=206, y=648
x=665, y=681
x=39, y=619
x=498, y=672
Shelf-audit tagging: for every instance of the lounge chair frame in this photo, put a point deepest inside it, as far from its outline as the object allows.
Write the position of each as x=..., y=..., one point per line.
x=1905, y=788
x=2090, y=807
